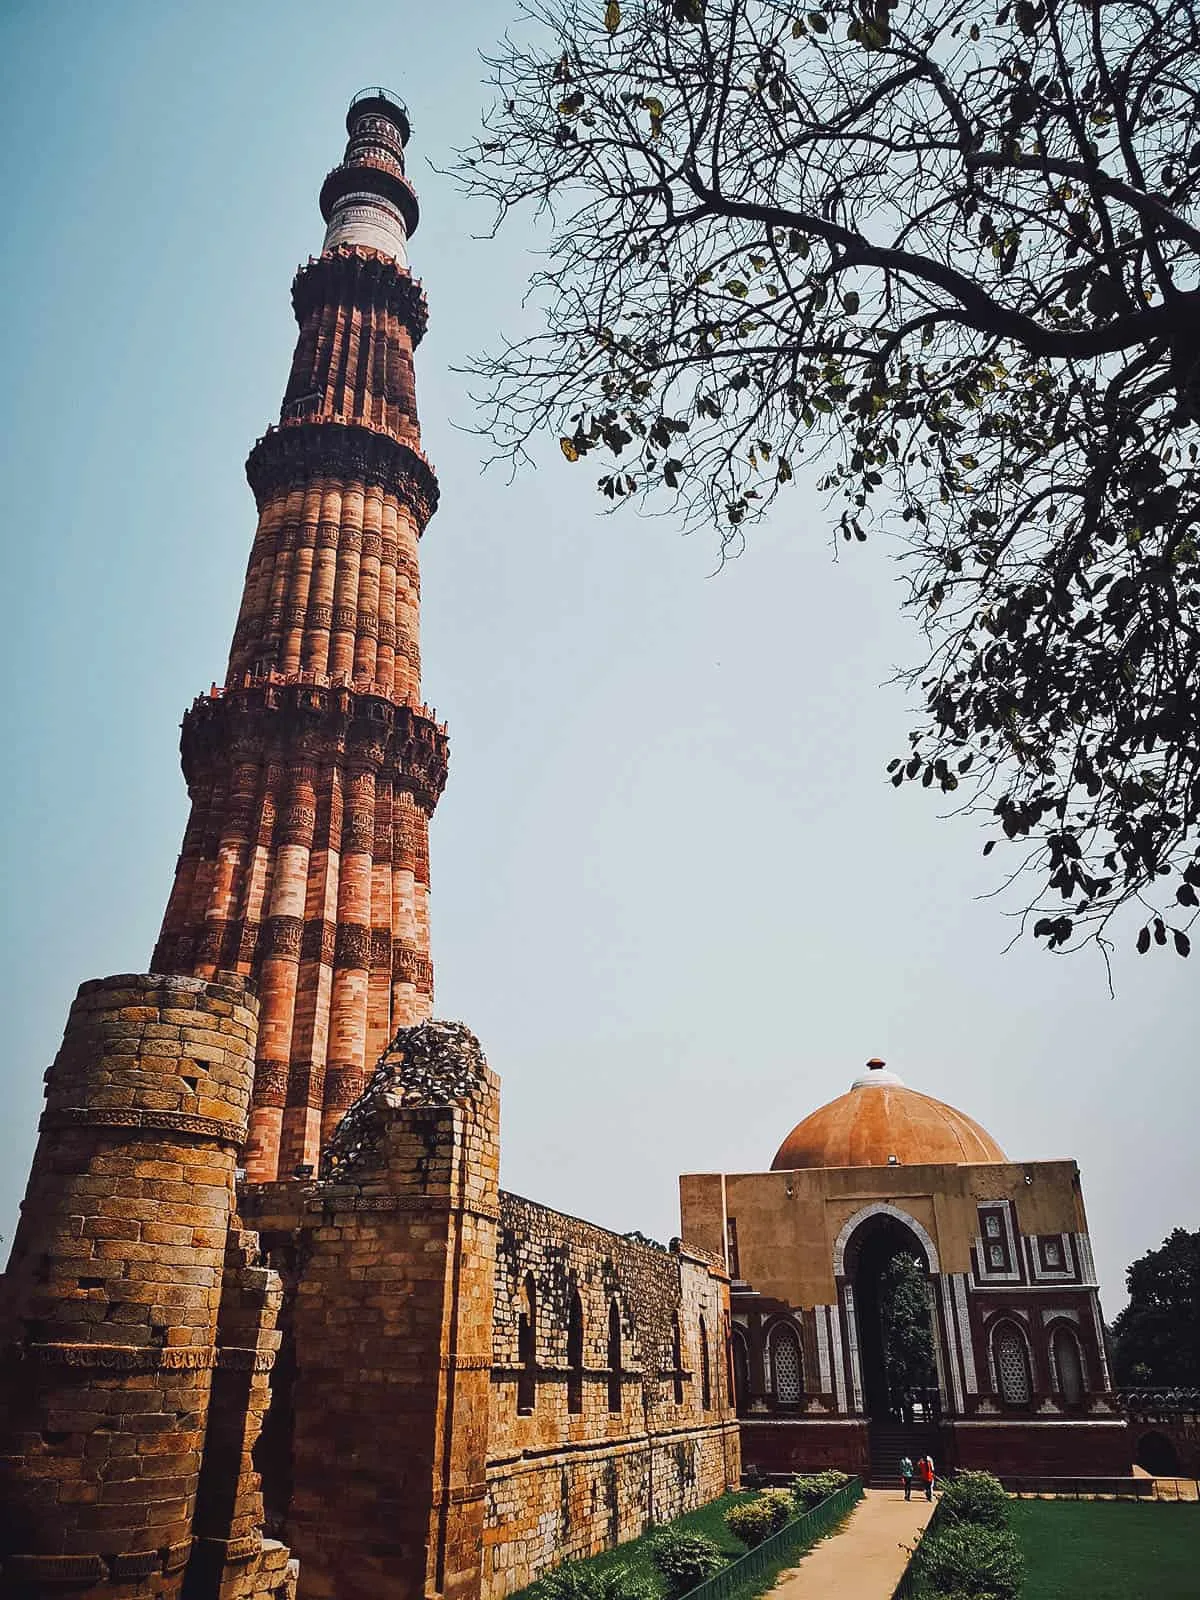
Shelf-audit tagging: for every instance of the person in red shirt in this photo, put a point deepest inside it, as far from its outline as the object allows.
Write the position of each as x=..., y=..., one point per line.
x=925, y=1475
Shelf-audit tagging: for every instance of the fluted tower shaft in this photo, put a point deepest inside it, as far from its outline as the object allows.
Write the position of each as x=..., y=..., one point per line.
x=314, y=769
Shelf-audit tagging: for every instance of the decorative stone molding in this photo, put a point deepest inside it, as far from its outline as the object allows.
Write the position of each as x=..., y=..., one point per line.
x=57, y=1569
x=352, y=947
x=295, y=453
x=172, y=1121
x=353, y=275
x=270, y=1083
x=332, y=1200
x=411, y=966
x=233, y=1359
x=265, y=720
x=138, y=1564
x=117, y=1357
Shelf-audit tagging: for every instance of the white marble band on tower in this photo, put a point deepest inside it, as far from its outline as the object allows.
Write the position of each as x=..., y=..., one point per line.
x=362, y=218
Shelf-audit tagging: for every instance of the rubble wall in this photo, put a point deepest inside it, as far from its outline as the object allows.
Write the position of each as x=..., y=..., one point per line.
x=586, y=1450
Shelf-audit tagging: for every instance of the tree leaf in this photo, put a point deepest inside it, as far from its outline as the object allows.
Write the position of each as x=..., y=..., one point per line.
x=612, y=16
x=569, y=448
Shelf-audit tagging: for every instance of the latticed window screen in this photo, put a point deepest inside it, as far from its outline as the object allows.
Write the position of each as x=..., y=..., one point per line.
x=785, y=1366
x=1012, y=1370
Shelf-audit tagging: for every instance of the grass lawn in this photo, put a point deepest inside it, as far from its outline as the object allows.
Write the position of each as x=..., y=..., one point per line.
x=1104, y=1550
x=635, y=1556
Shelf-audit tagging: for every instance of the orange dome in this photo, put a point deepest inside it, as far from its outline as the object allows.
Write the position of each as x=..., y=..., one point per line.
x=882, y=1123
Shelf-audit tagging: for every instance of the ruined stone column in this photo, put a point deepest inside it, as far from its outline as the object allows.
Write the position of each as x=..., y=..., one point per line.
x=108, y=1310
x=230, y=1558
x=393, y=1331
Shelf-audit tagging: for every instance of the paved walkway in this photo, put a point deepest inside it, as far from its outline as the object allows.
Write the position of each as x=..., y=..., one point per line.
x=863, y=1560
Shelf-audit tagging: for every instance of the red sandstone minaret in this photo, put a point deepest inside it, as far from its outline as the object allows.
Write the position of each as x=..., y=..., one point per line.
x=313, y=771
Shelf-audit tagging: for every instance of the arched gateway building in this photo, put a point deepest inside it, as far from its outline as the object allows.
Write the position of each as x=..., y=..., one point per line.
x=1018, y=1382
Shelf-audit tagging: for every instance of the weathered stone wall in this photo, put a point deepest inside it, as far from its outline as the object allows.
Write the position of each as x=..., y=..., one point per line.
x=230, y=1557
x=109, y=1309
x=392, y=1253
x=573, y=1467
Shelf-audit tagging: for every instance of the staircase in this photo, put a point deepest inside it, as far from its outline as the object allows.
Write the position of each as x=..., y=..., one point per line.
x=889, y=1441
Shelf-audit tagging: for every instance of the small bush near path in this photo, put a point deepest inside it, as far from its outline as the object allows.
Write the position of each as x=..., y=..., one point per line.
x=685, y=1559
x=969, y=1561
x=974, y=1497
x=1104, y=1550
x=577, y=1580
x=761, y=1517
x=810, y=1488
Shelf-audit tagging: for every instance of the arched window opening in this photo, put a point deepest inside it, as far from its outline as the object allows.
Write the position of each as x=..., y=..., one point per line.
x=787, y=1365
x=575, y=1356
x=1013, y=1377
x=705, y=1369
x=730, y=1386
x=1068, y=1363
x=614, y=1356
x=677, y=1358
x=741, y=1369
x=527, y=1348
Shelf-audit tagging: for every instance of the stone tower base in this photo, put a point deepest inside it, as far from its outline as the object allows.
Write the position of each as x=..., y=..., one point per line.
x=133, y=1299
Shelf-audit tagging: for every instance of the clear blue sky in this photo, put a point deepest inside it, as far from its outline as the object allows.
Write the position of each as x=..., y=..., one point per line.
x=673, y=892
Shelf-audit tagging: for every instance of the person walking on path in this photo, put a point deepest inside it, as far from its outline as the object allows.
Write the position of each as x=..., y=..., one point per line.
x=906, y=1475
x=926, y=1475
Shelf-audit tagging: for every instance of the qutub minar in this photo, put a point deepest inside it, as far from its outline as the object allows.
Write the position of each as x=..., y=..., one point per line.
x=314, y=769
x=269, y=1319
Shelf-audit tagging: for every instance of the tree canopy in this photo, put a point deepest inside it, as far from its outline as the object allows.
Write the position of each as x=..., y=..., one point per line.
x=947, y=252
x=1157, y=1335
x=906, y=1328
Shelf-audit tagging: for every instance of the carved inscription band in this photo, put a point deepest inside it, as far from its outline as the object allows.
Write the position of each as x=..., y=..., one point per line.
x=437, y=1204
x=96, y=1568
x=142, y=1358
x=175, y=1121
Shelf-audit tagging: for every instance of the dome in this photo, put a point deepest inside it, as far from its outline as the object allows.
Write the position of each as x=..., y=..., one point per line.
x=881, y=1123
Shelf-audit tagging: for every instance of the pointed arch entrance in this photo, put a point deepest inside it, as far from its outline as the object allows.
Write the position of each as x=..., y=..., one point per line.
x=886, y=1262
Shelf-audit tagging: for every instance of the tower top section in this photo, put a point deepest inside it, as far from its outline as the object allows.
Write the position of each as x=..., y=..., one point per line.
x=366, y=199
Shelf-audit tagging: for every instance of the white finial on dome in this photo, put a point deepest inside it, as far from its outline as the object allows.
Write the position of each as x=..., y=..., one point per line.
x=877, y=1076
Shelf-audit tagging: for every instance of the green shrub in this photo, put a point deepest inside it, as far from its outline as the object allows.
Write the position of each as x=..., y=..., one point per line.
x=755, y=1520
x=781, y=1505
x=975, y=1497
x=811, y=1488
x=579, y=1580
x=971, y=1563
x=685, y=1559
